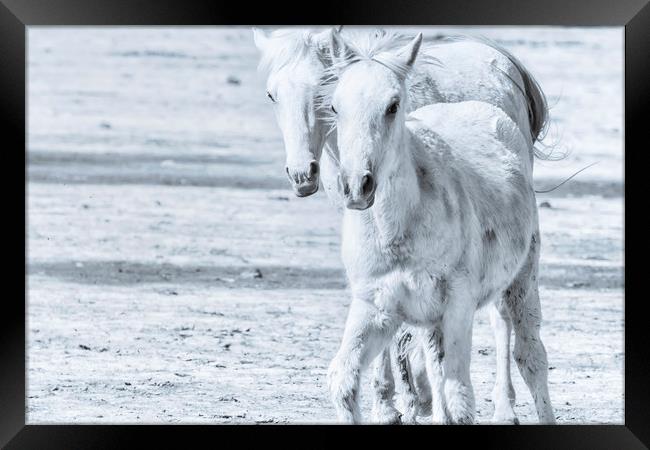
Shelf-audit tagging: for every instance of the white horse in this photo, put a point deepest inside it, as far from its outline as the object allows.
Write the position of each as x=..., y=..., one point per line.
x=453, y=227
x=297, y=62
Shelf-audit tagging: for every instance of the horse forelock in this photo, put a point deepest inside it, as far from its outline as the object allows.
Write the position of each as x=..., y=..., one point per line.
x=379, y=47
x=286, y=47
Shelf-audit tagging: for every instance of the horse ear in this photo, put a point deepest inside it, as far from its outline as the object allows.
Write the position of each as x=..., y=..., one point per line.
x=409, y=52
x=260, y=38
x=321, y=41
x=339, y=48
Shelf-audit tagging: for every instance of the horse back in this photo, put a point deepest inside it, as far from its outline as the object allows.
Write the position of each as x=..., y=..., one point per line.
x=473, y=70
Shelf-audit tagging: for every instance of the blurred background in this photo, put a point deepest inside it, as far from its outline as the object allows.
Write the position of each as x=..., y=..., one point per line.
x=174, y=277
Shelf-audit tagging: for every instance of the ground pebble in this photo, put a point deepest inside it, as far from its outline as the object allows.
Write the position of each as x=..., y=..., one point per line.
x=256, y=273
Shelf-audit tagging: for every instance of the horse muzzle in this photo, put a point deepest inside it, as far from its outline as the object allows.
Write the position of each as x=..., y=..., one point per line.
x=358, y=192
x=304, y=182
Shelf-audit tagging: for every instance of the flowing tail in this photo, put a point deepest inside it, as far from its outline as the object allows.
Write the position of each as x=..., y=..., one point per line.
x=546, y=191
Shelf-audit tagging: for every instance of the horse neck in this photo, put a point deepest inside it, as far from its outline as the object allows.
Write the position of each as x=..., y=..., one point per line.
x=330, y=167
x=398, y=191
x=423, y=88
x=331, y=148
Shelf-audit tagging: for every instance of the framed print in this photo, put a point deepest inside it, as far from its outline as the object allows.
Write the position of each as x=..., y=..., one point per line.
x=369, y=214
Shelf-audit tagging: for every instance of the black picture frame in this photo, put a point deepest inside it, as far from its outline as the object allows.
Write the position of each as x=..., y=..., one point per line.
x=17, y=15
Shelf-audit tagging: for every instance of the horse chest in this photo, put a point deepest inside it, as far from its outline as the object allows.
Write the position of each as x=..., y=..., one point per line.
x=367, y=254
x=413, y=294
x=396, y=275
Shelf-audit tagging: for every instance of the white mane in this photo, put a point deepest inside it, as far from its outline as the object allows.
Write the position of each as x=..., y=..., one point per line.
x=289, y=46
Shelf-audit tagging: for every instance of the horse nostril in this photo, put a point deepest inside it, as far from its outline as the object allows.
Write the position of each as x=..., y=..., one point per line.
x=367, y=184
x=286, y=168
x=313, y=169
x=343, y=185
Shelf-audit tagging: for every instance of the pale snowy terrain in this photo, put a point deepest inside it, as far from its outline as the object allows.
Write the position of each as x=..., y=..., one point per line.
x=174, y=277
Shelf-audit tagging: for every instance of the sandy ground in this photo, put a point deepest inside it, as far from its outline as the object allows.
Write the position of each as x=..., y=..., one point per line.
x=173, y=276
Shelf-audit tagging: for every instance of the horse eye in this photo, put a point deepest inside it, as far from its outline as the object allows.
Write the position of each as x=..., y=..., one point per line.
x=268, y=94
x=333, y=109
x=392, y=109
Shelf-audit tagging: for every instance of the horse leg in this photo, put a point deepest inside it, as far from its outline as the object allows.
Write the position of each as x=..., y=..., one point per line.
x=522, y=301
x=503, y=394
x=367, y=331
x=383, y=409
x=407, y=389
x=434, y=355
x=417, y=366
x=412, y=365
x=457, y=324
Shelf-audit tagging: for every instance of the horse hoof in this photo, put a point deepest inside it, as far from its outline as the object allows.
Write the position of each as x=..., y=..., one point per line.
x=388, y=417
x=506, y=418
x=409, y=419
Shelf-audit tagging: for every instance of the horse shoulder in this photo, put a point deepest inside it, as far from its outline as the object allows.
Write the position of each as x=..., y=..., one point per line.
x=473, y=123
x=462, y=125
